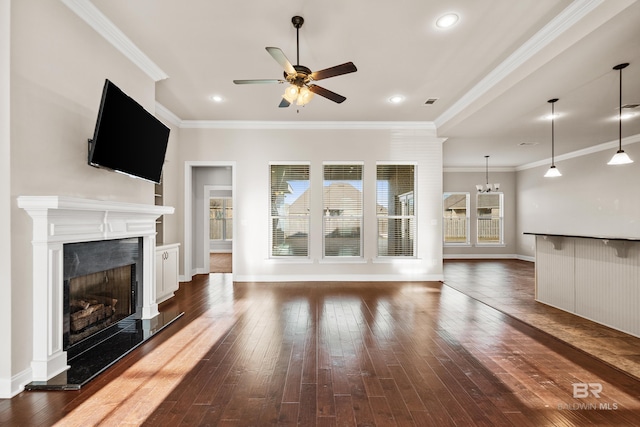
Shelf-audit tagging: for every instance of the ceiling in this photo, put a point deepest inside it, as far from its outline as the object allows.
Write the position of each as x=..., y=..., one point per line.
x=492, y=73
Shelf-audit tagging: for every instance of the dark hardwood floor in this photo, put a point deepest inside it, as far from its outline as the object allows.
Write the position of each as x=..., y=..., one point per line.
x=342, y=354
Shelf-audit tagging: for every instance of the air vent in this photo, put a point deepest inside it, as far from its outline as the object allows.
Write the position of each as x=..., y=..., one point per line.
x=527, y=144
x=630, y=106
x=430, y=101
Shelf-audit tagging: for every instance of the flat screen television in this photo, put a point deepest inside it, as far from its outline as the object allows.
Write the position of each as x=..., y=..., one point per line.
x=127, y=138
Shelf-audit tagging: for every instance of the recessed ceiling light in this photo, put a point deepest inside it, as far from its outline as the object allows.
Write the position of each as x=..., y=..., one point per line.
x=446, y=21
x=216, y=98
x=396, y=99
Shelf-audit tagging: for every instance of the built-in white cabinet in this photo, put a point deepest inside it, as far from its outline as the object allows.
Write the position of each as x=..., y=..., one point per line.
x=166, y=271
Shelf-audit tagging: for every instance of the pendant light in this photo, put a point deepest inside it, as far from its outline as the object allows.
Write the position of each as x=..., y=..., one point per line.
x=488, y=187
x=553, y=171
x=620, y=158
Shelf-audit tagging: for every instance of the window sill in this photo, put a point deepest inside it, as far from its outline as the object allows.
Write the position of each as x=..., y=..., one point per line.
x=456, y=245
x=490, y=245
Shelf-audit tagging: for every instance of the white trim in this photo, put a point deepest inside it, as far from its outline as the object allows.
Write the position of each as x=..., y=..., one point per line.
x=577, y=10
x=315, y=125
x=526, y=258
x=168, y=115
x=90, y=14
x=14, y=386
x=481, y=256
x=478, y=169
x=611, y=145
x=340, y=278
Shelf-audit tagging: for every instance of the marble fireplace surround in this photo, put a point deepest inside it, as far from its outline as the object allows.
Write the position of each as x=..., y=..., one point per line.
x=58, y=220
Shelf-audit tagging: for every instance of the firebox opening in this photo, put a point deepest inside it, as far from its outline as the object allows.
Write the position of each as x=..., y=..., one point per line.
x=98, y=300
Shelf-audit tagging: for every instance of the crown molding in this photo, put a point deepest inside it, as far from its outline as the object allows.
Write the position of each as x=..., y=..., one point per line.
x=315, y=125
x=164, y=113
x=611, y=145
x=479, y=169
x=90, y=14
x=577, y=10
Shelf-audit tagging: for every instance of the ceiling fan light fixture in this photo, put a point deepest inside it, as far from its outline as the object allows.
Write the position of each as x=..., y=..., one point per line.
x=291, y=93
x=304, y=96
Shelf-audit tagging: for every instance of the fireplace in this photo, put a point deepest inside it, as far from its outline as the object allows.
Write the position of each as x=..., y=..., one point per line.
x=100, y=290
x=73, y=238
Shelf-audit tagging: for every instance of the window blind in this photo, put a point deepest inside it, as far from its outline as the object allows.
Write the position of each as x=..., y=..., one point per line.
x=395, y=208
x=289, y=187
x=342, y=210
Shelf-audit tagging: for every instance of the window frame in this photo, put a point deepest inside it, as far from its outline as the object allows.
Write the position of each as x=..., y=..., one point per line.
x=500, y=220
x=467, y=241
x=414, y=216
x=360, y=217
x=273, y=217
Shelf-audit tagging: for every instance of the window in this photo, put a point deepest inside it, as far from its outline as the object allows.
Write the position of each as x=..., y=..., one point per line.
x=342, y=210
x=455, y=218
x=220, y=218
x=489, y=213
x=395, y=208
x=289, y=186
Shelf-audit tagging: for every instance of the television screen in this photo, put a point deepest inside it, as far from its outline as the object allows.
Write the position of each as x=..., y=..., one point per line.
x=127, y=137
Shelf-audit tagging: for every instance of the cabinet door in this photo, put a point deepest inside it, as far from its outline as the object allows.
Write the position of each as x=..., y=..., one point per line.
x=160, y=291
x=171, y=270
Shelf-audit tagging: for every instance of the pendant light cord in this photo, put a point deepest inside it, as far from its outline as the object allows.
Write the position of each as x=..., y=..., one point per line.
x=553, y=119
x=620, y=114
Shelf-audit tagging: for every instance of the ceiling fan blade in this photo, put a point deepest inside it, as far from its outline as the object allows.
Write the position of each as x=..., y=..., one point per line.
x=280, y=57
x=257, y=81
x=327, y=94
x=338, y=70
x=284, y=103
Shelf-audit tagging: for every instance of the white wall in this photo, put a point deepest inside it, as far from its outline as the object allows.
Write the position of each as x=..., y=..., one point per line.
x=253, y=149
x=58, y=66
x=591, y=198
x=466, y=182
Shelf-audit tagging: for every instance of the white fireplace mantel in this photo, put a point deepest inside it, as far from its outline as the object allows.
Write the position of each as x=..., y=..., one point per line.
x=58, y=220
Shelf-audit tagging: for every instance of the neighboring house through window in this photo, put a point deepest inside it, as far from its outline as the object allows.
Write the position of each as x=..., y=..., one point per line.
x=490, y=218
x=290, y=216
x=395, y=209
x=342, y=210
x=455, y=218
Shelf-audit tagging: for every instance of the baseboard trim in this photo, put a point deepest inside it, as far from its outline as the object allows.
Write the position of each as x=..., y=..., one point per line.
x=14, y=386
x=480, y=256
x=340, y=278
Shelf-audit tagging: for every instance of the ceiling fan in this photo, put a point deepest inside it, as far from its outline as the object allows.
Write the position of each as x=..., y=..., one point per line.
x=301, y=78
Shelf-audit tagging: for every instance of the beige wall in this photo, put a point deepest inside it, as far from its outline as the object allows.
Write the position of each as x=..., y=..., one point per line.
x=5, y=199
x=58, y=67
x=590, y=198
x=251, y=150
x=466, y=182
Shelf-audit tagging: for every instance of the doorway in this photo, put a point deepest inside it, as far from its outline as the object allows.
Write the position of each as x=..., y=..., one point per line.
x=201, y=178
